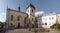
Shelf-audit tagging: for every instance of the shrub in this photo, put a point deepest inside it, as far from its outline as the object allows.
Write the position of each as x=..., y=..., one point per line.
x=56, y=26
x=35, y=30
x=41, y=30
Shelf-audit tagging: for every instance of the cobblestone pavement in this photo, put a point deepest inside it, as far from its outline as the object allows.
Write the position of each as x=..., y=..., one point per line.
x=26, y=31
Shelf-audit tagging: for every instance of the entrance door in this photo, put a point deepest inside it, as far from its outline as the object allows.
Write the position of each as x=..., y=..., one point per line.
x=18, y=26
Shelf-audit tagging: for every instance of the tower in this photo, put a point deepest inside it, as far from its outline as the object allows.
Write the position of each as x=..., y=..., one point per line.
x=30, y=10
x=31, y=15
x=19, y=8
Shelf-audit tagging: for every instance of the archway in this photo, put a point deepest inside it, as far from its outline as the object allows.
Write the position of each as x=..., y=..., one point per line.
x=18, y=26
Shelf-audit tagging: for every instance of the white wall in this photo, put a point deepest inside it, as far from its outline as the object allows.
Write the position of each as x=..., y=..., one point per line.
x=49, y=19
x=39, y=21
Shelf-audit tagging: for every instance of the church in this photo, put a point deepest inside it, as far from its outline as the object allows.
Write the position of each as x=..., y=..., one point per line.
x=19, y=19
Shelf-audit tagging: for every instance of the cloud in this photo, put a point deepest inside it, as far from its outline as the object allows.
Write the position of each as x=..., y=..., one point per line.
x=2, y=16
x=39, y=13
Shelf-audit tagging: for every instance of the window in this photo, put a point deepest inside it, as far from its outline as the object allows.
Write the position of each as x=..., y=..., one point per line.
x=49, y=18
x=25, y=20
x=45, y=18
x=52, y=17
x=18, y=18
x=11, y=17
x=32, y=10
x=32, y=19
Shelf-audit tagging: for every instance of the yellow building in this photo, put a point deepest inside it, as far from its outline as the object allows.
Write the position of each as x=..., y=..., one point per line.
x=18, y=19
x=58, y=18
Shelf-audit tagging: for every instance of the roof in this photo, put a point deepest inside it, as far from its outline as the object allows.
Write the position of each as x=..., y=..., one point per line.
x=19, y=12
x=16, y=11
x=48, y=14
x=30, y=5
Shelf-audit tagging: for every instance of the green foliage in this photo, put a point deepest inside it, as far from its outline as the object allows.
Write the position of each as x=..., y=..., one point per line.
x=56, y=26
x=56, y=22
x=39, y=30
x=35, y=29
x=1, y=25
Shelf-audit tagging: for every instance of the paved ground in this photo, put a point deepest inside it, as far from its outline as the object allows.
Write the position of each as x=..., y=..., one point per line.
x=3, y=31
x=53, y=31
x=26, y=31
x=19, y=31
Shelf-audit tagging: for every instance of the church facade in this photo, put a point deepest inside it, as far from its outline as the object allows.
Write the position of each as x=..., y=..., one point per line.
x=18, y=19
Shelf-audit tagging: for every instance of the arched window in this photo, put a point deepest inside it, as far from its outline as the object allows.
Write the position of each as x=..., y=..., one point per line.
x=18, y=18
x=32, y=10
x=11, y=17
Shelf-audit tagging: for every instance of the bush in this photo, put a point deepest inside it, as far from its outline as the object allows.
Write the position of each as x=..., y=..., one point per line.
x=41, y=30
x=35, y=30
x=56, y=26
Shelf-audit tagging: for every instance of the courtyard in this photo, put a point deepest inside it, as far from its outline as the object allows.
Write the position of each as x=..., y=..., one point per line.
x=27, y=31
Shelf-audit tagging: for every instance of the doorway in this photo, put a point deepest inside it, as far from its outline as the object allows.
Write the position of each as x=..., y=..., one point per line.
x=18, y=26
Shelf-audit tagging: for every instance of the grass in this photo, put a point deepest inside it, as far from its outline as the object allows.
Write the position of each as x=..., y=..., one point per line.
x=39, y=30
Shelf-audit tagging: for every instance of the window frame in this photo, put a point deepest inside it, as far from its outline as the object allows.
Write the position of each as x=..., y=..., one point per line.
x=11, y=17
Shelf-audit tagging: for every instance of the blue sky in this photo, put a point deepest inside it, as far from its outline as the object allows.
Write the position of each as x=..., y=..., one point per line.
x=41, y=5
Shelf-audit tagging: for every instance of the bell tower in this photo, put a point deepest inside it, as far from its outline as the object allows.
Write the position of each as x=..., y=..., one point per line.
x=31, y=15
x=30, y=10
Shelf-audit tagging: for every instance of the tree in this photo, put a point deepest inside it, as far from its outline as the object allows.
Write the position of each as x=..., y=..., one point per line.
x=57, y=22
